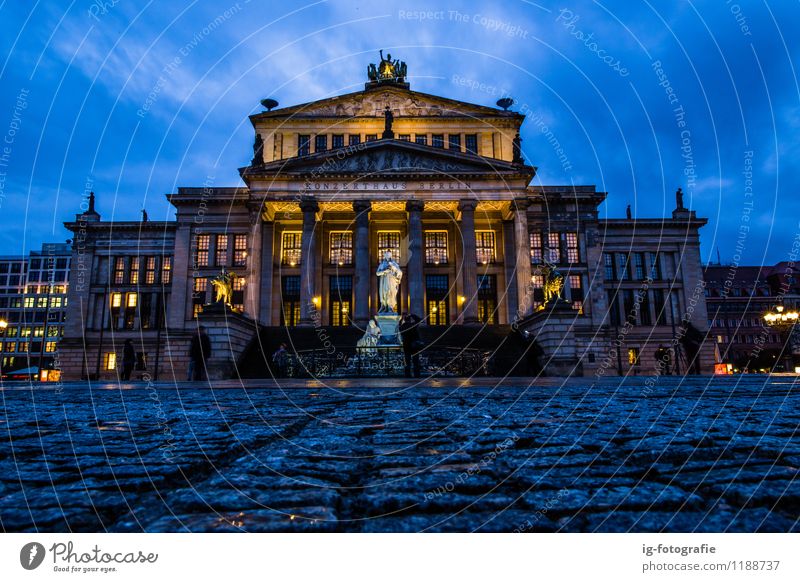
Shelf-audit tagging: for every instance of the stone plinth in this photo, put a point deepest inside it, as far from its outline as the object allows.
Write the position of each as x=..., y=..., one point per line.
x=230, y=332
x=553, y=328
x=390, y=332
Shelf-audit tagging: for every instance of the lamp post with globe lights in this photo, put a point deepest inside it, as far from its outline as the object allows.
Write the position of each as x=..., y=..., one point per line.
x=783, y=321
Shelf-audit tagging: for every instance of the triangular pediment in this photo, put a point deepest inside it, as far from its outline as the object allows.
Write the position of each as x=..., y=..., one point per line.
x=402, y=102
x=389, y=157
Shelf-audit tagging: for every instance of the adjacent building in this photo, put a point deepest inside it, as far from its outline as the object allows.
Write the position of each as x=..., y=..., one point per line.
x=33, y=307
x=440, y=184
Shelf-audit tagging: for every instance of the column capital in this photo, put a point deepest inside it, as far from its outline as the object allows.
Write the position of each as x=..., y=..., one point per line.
x=309, y=205
x=360, y=206
x=415, y=206
x=520, y=204
x=467, y=204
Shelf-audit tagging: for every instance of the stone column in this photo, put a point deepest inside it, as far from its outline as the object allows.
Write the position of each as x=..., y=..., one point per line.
x=179, y=301
x=361, y=280
x=523, y=257
x=308, y=263
x=253, y=289
x=416, y=288
x=469, y=261
x=267, y=269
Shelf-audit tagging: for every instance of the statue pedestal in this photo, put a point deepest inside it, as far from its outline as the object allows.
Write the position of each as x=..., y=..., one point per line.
x=554, y=329
x=389, y=324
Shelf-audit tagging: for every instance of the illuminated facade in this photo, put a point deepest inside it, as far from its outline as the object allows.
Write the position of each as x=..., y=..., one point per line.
x=439, y=183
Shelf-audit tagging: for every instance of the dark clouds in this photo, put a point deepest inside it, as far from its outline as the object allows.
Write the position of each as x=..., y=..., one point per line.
x=139, y=102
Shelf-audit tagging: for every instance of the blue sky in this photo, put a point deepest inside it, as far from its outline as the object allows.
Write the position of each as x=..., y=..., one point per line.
x=135, y=99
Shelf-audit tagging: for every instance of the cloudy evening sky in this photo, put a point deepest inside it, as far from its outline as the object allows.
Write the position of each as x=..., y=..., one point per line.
x=137, y=98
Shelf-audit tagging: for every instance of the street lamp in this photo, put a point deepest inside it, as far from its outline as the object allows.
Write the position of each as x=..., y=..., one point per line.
x=783, y=322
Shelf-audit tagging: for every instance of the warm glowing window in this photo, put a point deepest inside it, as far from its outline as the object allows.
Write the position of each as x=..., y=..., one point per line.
x=132, y=300
x=110, y=361
x=150, y=271
x=436, y=247
x=166, y=270
x=38, y=331
x=119, y=270
x=536, y=247
x=291, y=248
x=553, y=247
x=341, y=252
x=576, y=292
x=436, y=304
x=116, y=300
x=200, y=284
x=202, y=243
x=221, y=255
x=239, y=250
x=30, y=302
x=389, y=240
x=50, y=347
x=573, y=253
x=537, y=282
x=134, y=272
x=484, y=246
x=633, y=356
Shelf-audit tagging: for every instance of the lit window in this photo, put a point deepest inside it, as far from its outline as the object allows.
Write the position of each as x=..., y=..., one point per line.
x=484, y=246
x=200, y=284
x=23, y=346
x=134, y=272
x=38, y=331
x=633, y=356
x=132, y=300
x=536, y=247
x=239, y=250
x=150, y=271
x=573, y=253
x=389, y=240
x=221, y=255
x=436, y=247
x=341, y=252
x=30, y=302
x=116, y=300
x=553, y=247
x=11, y=346
x=576, y=292
x=119, y=270
x=52, y=331
x=292, y=248
x=56, y=301
x=50, y=347
x=166, y=270
x=436, y=291
x=537, y=282
x=202, y=243
x=111, y=361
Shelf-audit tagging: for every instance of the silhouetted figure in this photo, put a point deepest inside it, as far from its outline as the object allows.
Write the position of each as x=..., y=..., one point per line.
x=144, y=215
x=628, y=214
x=663, y=361
x=128, y=360
x=281, y=360
x=679, y=199
x=388, y=118
x=199, y=351
x=517, y=149
x=412, y=344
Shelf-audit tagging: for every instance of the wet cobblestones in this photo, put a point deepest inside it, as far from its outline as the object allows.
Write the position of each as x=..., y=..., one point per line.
x=696, y=454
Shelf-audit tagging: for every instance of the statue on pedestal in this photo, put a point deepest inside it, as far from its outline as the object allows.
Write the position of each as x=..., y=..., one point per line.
x=390, y=275
x=223, y=287
x=553, y=284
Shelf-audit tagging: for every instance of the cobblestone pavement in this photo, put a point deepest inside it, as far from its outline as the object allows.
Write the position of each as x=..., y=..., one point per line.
x=697, y=454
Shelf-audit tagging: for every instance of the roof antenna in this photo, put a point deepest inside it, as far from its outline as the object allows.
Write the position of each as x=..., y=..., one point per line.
x=505, y=103
x=269, y=104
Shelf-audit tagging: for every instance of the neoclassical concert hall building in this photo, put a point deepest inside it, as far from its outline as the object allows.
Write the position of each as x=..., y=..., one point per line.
x=333, y=184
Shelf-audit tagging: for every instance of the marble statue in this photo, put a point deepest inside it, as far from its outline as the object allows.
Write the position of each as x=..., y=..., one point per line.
x=390, y=275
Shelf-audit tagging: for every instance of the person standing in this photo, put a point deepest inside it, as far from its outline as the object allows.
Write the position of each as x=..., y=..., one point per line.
x=409, y=333
x=199, y=351
x=281, y=360
x=128, y=360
